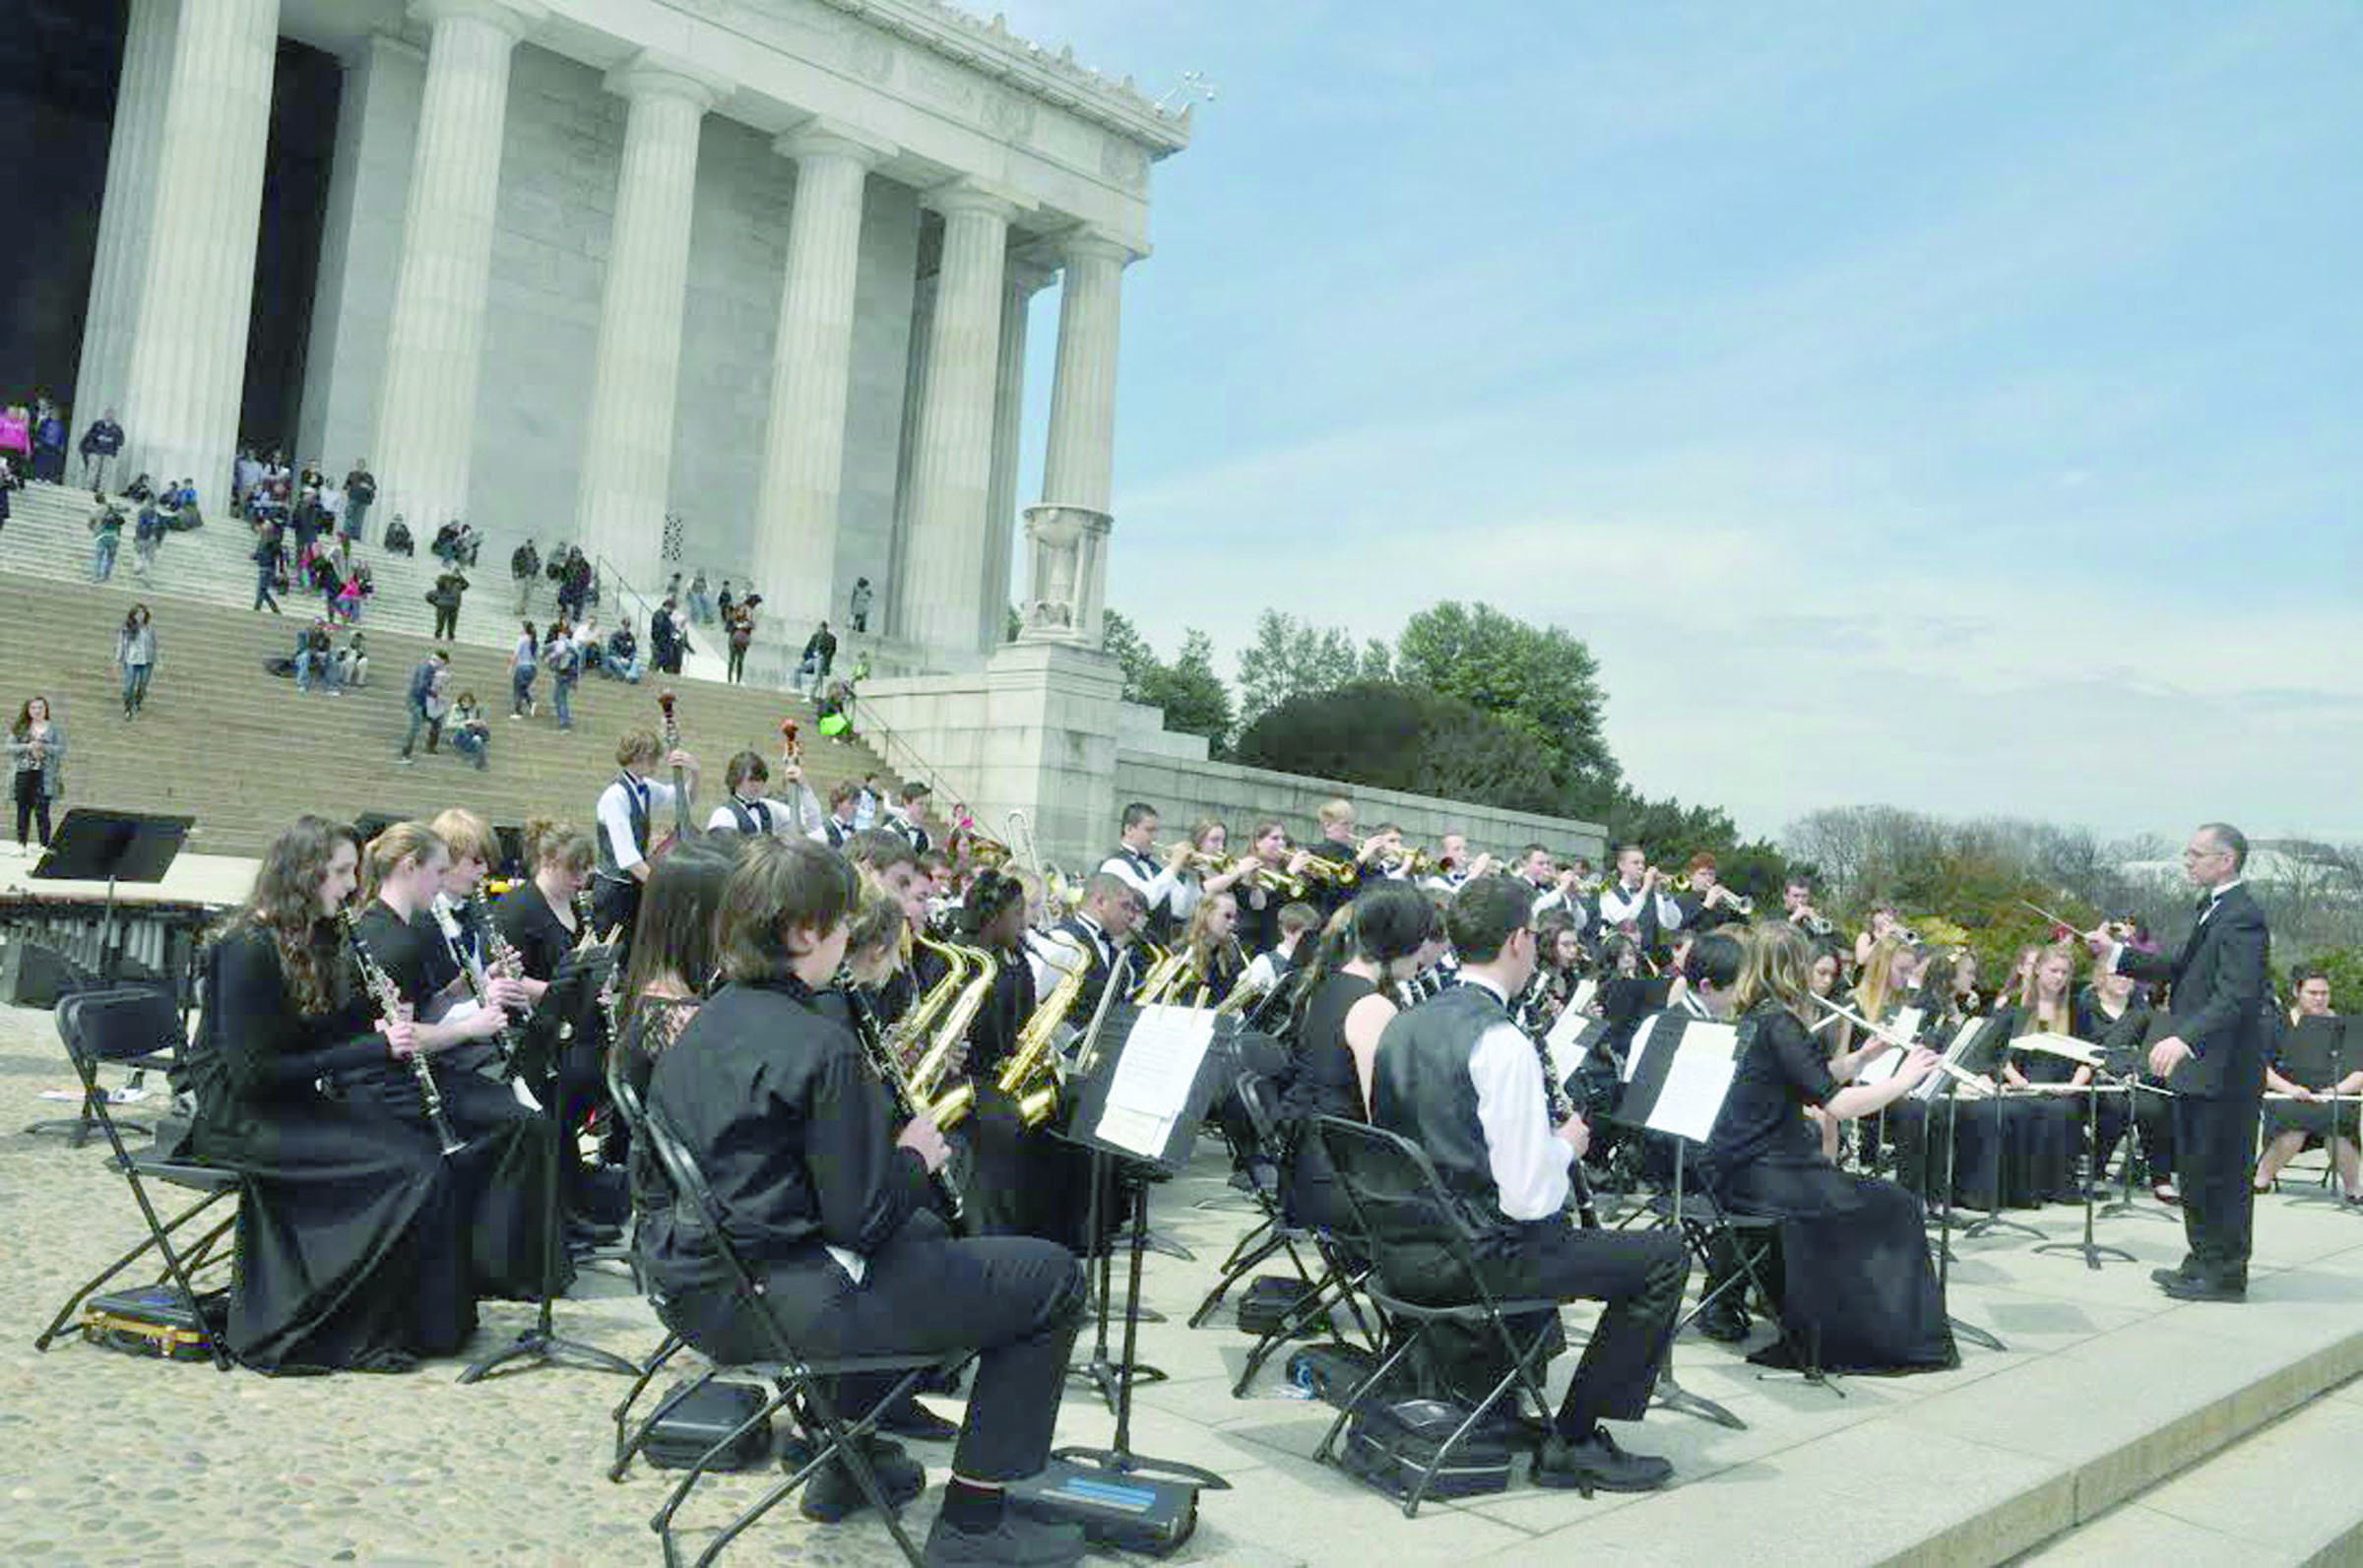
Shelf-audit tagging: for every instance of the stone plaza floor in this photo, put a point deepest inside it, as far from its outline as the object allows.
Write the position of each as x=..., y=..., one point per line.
x=2106, y=1388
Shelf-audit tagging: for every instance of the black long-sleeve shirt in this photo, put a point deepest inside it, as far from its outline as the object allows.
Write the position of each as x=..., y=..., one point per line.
x=778, y=1107
x=256, y=1047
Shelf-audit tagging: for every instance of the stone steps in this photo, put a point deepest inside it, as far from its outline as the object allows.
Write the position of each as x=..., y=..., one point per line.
x=2289, y=1493
x=244, y=752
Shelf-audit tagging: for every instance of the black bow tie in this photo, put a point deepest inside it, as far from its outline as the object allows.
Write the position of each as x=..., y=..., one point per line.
x=2206, y=901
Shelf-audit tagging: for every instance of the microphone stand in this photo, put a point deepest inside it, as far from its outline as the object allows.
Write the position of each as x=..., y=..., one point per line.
x=2092, y=1250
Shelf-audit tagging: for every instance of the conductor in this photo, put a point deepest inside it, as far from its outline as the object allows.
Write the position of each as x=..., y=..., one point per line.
x=2214, y=1062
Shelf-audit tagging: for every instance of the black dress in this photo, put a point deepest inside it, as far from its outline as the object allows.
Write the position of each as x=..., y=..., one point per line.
x=350, y=1247
x=508, y=1142
x=1857, y=1282
x=2041, y=1165
x=1325, y=1082
x=2313, y=1053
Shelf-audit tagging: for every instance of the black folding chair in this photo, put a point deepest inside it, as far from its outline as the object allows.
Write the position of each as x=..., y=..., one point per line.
x=73, y=980
x=1404, y=1211
x=1269, y=1235
x=628, y=1442
x=798, y=1384
x=140, y=1024
x=1342, y=1270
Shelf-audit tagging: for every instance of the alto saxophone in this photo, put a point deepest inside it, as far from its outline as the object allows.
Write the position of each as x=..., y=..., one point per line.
x=1028, y=1076
x=394, y=1010
x=947, y=1052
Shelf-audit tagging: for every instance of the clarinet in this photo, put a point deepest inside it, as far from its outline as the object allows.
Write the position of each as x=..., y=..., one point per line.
x=393, y=1008
x=500, y=959
x=882, y=1061
x=1562, y=1110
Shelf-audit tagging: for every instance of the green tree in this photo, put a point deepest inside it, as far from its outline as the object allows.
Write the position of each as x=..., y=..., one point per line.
x=1391, y=736
x=1541, y=678
x=1293, y=659
x=1134, y=656
x=1192, y=695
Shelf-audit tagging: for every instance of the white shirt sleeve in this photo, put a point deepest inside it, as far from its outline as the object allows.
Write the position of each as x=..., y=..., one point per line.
x=1616, y=907
x=1260, y=975
x=1551, y=899
x=1154, y=890
x=1669, y=913
x=615, y=815
x=1053, y=959
x=1186, y=894
x=1529, y=1163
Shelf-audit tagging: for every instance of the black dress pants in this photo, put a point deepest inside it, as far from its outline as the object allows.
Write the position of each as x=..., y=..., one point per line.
x=2214, y=1147
x=1016, y=1299
x=1640, y=1279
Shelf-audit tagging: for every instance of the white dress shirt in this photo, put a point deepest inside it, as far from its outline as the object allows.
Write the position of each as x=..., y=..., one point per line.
x=1529, y=1163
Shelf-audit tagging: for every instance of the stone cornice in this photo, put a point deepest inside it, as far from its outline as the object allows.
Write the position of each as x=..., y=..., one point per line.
x=991, y=49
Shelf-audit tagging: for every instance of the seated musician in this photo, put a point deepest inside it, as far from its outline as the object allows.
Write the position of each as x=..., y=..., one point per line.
x=402, y=870
x=2111, y=1014
x=777, y=1105
x=660, y=991
x=1455, y=1077
x=1344, y=1002
x=2045, y=1163
x=2319, y=1106
x=1856, y=1283
x=1216, y=961
x=351, y=1249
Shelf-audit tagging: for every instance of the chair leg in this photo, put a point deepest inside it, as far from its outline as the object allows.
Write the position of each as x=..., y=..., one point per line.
x=626, y=1449
x=839, y=1442
x=661, y=1524
x=1235, y=1271
x=57, y=1324
x=1324, y=1454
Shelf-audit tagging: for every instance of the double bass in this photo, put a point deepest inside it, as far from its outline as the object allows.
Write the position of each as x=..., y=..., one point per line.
x=681, y=828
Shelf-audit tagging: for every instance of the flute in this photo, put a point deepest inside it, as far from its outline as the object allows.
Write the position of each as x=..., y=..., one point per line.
x=394, y=1010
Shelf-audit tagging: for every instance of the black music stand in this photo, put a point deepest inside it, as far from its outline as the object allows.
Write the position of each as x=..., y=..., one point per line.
x=2323, y=1042
x=110, y=846
x=2092, y=1250
x=1085, y=1101
x=2126, y=1063
x=1967, y=1331
x=542, y=1344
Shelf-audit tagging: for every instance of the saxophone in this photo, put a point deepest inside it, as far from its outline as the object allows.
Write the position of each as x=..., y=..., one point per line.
x=947, y=1052
x=393, y=1008
x=907, y=1038
x=1028, y=1076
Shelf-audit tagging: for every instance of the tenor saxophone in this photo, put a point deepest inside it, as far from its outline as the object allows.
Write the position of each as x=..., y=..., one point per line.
x=947, y=1051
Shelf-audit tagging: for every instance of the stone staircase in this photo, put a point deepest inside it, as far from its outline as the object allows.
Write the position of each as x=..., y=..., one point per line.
x=239, y=749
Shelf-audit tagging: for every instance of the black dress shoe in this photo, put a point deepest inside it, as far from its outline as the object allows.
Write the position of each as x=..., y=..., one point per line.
x=833, y=1493
x=916, y=1422
x=2204, y=1291
x=1019, y=1538
x=1724, y=1325
x=1596, y=1463
x=2165, y=1279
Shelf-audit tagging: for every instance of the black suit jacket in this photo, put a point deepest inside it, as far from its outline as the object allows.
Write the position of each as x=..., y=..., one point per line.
x=2217, y=1004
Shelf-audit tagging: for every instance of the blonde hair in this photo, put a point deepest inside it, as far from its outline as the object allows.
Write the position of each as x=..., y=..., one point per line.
x=558, y=844
x=470, y=836
x=2029, y=989
x=1334, y=812
x=1872, y=990
x=394, y=848
x=1778, y=970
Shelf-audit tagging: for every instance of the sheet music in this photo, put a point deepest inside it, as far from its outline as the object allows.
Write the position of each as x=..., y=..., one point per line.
x=1586, y=990
x=1693, y=1095
x=1562, y=1045
x=1640, y=1039
x=1152, y=1082
x=1906, y=1024
x=2068, y=1045
x=1880, y=1068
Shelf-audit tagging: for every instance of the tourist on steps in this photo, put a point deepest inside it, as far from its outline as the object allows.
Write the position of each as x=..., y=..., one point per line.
x=100, y=444
x=36, y=756
x=523, y=665
x=135, y=655
x=418, y=696
x=106, y=537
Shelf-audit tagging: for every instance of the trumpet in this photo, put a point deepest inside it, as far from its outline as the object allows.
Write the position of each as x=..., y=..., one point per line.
x=1203, y=862
x=1274, y=880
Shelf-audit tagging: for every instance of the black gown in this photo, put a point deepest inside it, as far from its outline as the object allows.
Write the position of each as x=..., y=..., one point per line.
x=350, y=1247
x=1857, y=1285
x=509, y=1144
x=1325, y=1083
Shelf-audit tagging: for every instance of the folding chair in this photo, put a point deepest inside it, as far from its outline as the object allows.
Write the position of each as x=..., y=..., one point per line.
x=628, y=1443
x=798, y=1383
x=1705, y=1225
x=1342, y=1270
x=1403, y=1209
x=73, y=978
x=125, y=1027
x=1269, y=1234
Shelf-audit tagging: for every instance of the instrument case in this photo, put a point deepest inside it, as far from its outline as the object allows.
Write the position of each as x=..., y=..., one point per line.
x=1389, y=1444
x=152, y=1320
x=689, y=1429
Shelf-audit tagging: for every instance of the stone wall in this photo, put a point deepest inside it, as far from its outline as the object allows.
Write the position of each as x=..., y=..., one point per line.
x=1184, y=789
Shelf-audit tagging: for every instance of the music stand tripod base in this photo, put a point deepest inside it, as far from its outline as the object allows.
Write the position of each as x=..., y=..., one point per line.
x=2091, y=1250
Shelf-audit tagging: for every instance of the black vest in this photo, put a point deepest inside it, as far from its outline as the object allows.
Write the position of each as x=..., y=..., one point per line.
x=753, y=817
x=1422, y=1090
x=1158, y=925
x=1095, y=977
x=635, y=803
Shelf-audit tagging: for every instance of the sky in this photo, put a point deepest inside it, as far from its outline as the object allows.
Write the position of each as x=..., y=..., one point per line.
x=1959, y=407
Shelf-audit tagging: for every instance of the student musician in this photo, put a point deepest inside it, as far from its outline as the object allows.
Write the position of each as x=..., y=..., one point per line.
x=1270, y=882
x=776, y=1103
x=1095, y=936
x=1268, y=973
x=2043, y=1165
x=627, y=812
x=837, y=829
x=1209, y=869
x=1349, y=861
x=402, y=870
x=1635, y=900
x=1455, y=1077
x=1343, y=1005
x=910, y=819
x=1216, y=960
x=746, y=809
x=352, y=1245
x=447, y=927
x=1709, y=903
x=2313, y=1096
x=1557, y=889
x=1456, y=864
x=2113, y=1015
x=1856, y=1281
x=1158, y=887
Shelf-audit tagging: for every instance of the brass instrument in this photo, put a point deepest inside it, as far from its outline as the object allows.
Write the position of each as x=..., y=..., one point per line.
x=1205, y=862
x=1028, y=1076
x=947, y=1051
x=1165, y=978
x=1337, y=873
x=394, y=1010
x=907, y=1104
x=907, y=1040
x=1274, y=880
x=1020, y=833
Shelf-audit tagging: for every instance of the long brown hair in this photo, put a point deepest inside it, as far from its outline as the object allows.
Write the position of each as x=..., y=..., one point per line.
x=1778, y=970
x=23, y=724
x=285, y=908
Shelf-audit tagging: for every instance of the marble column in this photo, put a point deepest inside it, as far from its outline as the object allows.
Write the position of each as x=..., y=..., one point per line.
x=426, y=403
x=1024, y=279
x=627, y=440
x=812, y=373
x=1068, y=532
x=186, y=369
x=134, y=147
x=951, y=472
